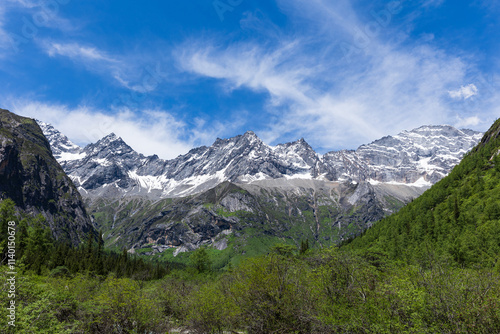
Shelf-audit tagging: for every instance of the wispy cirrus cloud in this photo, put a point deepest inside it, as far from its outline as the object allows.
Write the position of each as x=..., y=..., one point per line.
x=128, y=70
x=4, y=37
x=78, y=52
x=24, y=3
x=314, y=92
x=432, y=3
x=136, y=71
x=25, y=21
x=248, y=65
x=46, y=14
x=327, y=100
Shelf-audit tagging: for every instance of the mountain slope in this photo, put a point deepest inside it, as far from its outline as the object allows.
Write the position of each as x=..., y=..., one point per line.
x=63, y=149
x=111, y=168
x=34, y=180
x=290, y=191
x=296, y=209
x=458, y=218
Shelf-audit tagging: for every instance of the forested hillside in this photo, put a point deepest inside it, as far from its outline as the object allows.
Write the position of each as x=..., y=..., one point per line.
x=458, y=218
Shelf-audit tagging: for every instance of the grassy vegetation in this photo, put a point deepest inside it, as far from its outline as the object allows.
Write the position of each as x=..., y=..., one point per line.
x=327, y=291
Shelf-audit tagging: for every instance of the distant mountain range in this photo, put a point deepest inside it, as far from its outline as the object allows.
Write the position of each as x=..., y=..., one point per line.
x=240, y=192
x=110, y=167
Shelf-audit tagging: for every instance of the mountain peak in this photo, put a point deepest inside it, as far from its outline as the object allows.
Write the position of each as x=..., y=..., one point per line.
x=248, y=136
x=61, y=146
x=438, y=130
x=43, y=124
x=251, y=137
x=302, y=142
x=492, y=134
x=111, y=137
x=109, y=145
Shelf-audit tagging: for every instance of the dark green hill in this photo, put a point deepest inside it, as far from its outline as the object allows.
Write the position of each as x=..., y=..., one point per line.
x=458, y=218
x=34, y=180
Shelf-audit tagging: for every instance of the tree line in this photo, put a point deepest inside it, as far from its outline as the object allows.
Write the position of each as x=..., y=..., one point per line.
x=38, y=252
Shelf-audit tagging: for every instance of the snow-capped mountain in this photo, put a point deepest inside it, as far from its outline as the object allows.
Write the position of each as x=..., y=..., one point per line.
x=285, y=191
x=63, y=149
x=419, y=157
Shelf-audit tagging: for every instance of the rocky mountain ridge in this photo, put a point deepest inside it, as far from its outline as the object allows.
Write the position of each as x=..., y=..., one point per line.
x=240, y=192
x=109, y=167
x=34, y=180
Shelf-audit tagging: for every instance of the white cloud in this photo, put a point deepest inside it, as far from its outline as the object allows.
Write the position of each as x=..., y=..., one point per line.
x=77, y=52
x=315, y=92
x=4, y=36
x=24, y=3
x=44, y=14
x=464, y=93
x=468, y=122
x=249, y=66
x=432, y=3
x=335, y=104
x=38, y=15
x=135, y=72
x=151, y=132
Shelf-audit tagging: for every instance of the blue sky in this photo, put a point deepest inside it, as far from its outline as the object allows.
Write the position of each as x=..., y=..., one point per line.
x=170, y=75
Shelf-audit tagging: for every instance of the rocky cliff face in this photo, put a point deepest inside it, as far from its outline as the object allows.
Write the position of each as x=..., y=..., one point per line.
x=242, y=214
x=34, y=180
x=419, y=157
x=240, y=189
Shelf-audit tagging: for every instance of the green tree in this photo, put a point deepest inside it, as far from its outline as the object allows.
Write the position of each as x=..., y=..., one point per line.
x=283, y=249
x=496, y=161
x=99, y=265
x=304, y=247
x=456, y=210
x=38, y=246
x=201, y=260
x=22, y=238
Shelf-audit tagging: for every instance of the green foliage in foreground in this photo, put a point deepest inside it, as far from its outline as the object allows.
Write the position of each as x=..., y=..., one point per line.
x=326, y=291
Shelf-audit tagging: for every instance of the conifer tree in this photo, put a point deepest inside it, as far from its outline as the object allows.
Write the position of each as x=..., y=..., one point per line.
x=456, y=210
x=22, y=239
x=304, y=246
x=99, y=265
x=38, y=246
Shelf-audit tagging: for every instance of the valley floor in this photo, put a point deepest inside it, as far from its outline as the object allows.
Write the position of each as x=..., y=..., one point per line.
x=327, y=291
